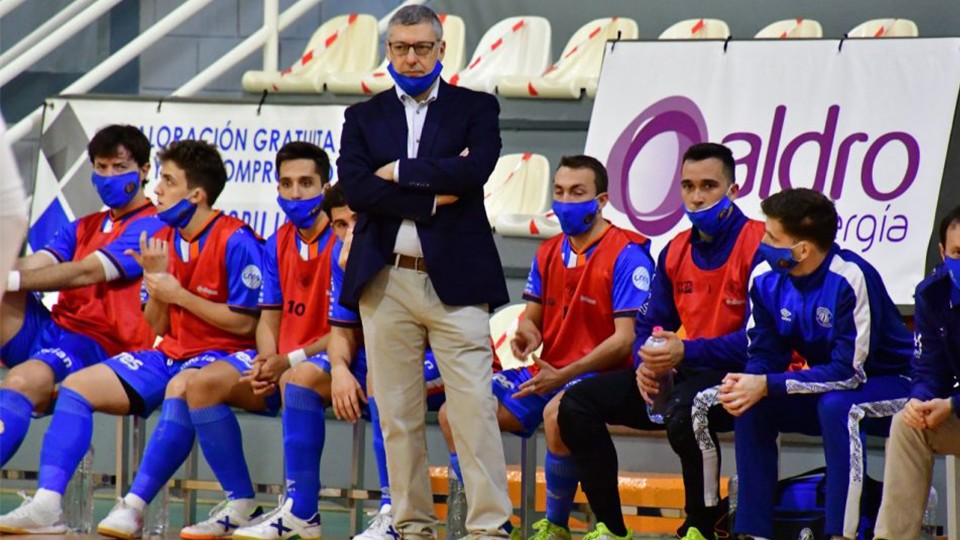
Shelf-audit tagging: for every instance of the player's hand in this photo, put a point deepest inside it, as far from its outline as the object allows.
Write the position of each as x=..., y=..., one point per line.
x=444, y=200
x=647, y=383
x=345, y=250
x=163, y=287
x=525, y=341
x=544, y=382
x=740, y=391
x=153, y=256
x=346, y=394
x=913, y=414
x=936, y=411
x=665, y=357
x=386, y=172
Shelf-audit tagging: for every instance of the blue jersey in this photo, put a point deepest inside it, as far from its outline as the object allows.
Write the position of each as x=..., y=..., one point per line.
x=339, y=315
x=632, y=273
x=840, y=318
x=936, y=362
x=63, y=245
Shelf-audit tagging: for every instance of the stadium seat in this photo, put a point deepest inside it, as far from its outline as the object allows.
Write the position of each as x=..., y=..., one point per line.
x=344, y=44
x=791, y=29
x=520, y=184
x=378, y=80
x=579, y=66
x=697, y=29
x=885, y=28
x=513, y=46
x=503, y=326
x=543, y=225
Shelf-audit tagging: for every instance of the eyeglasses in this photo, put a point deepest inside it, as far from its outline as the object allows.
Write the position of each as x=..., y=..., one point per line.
x=422, y=48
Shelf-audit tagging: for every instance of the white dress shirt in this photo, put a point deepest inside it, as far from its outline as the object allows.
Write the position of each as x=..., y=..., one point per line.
x=408, y=241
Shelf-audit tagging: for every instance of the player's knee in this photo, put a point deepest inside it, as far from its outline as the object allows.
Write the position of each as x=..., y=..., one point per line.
x=177, y=387
x=17, y=382
x=833, y=405
x=203, y=389
x=307, y=376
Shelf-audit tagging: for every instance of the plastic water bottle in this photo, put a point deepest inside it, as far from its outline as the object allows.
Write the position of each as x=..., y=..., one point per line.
x=659, y=407
x=929, y=529
x=157, y=520
x=78, y=499
x=456, y=507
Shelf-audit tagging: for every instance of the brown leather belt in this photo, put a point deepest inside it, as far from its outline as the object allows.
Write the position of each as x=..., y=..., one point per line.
x=410, y=263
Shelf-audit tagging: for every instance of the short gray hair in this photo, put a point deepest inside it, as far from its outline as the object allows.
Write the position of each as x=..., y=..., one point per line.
x=416, y=14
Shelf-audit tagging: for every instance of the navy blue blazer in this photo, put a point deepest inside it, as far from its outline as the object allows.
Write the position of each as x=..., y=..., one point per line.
x=461, y=257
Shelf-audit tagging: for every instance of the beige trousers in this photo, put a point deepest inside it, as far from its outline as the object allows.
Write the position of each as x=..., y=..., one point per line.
x=401, y=314
x=908, y=474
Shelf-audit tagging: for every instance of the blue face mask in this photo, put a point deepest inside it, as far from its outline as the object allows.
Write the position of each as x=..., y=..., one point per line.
x=953, y=268
x=709, y=220
x=576, y=217
x=780, y=258
x=178, y=215
x=414, y=86
x=117, y=191
x=303, y=213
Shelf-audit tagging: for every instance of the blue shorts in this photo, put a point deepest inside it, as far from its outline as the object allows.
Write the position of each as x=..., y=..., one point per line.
x=148, y=372
x=431, y=374
x=528, y=409
x=242, y=361
x=39, y=338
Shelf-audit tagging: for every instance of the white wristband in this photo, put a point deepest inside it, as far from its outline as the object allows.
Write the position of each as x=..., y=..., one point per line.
x=13, y=281
x=296, y=356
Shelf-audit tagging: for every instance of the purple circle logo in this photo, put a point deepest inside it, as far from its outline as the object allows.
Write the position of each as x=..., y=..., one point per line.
x=674, y=115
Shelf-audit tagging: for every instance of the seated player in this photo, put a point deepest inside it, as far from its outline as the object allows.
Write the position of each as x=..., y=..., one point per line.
x=292, y=323
x=202, y=277
x=97, y=314
x=335, y=377
x=583, y=293
x=831, y=307
x=930, y=422
x=701, y=286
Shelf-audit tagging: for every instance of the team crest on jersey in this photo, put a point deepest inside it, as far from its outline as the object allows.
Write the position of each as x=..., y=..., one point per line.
x=641, y=279
x=824, y=317
x=785, y=315
x=251, y=276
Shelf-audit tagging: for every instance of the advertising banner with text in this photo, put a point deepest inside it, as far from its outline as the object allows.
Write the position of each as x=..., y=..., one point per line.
x=866, y=122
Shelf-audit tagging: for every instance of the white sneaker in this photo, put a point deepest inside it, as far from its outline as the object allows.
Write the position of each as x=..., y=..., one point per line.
x=224, y=518
x=123, y=521
x=381, y=523
x=31, y=518
x=281, y=525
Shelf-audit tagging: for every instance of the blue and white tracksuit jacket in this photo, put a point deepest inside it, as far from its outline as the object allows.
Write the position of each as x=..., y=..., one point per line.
x=842, y=321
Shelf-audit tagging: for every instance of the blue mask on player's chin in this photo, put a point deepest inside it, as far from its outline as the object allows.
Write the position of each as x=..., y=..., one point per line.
x=178, y=215
x=117, y=191
x=302, y=213
x=709, y=220
x=414, y=86
x=953, y=268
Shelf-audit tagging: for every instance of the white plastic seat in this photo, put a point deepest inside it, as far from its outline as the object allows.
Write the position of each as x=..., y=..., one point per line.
x=519, y=184
x=885, y=28
x=503, y=326
x=513, y=46
x=344, y=44
x=579, y=66
x=378, y=80
x=791, y=29
x=697, y=29
x=545, y=225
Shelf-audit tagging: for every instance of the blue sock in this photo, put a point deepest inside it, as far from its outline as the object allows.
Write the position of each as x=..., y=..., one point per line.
x=380, y=452
x=562, y=481
x=455, y=465
x=303, y=436
x=219, y=434
x=168, y=447
x=15, y=410
x=67, y=440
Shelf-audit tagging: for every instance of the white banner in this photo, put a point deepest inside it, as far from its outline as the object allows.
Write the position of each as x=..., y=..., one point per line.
x=248, y=139
x=867, y=123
